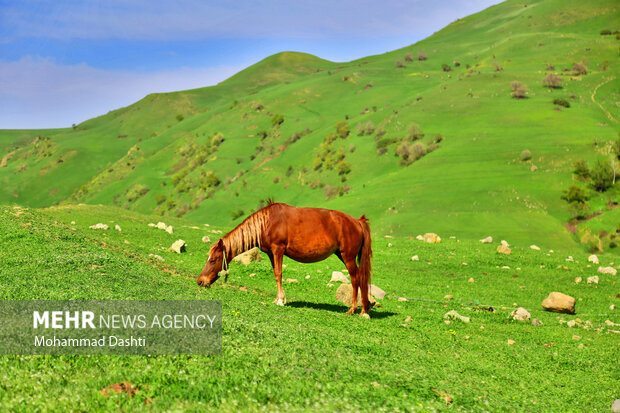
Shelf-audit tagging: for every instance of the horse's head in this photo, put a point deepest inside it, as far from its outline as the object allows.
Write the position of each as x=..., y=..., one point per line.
x=210, y=273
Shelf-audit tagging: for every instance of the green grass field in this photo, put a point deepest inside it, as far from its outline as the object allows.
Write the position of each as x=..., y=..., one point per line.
x=309, y=355
x=153, y=156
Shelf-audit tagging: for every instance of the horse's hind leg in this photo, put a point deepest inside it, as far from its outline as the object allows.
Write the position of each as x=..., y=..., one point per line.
x=355, y=281
x=276, y=258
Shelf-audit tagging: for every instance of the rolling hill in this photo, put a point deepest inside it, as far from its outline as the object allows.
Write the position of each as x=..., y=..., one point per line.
x=424, y=138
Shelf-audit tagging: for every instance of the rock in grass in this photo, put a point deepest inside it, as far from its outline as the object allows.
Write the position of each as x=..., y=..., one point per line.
x=593, y=279
x=578, y=280
x=607, y=270
x=432, y=238
x=615, y=407
x=448, y=297
x=249, y=256
x=206, y=239
x=117, y=227
x=536, y=322
x=169, y=229
x=504, y=243
x=292, y=280
x=415, y=258
x=559, y=303
x=453, y=315
x=419, y=237
x=502, y=249
x=161, y=225
x=487, y=240
x=377, y=292
x=593, y=259
x=535, y=247
x=338, y=276
x=520, y=314
x=344, y=294
x=157, y=257
x=178, y=246
x=99, y=226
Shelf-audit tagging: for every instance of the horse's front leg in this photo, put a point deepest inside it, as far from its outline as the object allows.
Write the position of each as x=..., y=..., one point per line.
x=276, y=261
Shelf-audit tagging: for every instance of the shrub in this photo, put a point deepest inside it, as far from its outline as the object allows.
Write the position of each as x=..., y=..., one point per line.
x=289, y=170
x=408, y=57
x=605, y=32
x=602, y=176
x=180, y=117
x=575, y=194
x=421, y=55
x=399, y=64
x=456, y=64
x=519, y=90
x=160, y=199
x=581, y=169
x=136, y=191
x=552, y=81
x=446, y=67
x=277, y=120
x=561, y=102
x=236, y=214
x=276, y=180
x=615, y=148
x=379, y=131
x=580, y=69
x=410, y=153
x=210, y=179
x=526, y=155
x=342, y=129
x=550, y=67
x=498, y=67
x=438, y=138
x=414, y=132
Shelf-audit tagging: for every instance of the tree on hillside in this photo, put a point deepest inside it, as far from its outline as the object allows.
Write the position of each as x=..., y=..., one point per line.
x=577, y=199
x=581, y=169
x=603, y=176
x=519, y=90
x=552, y=81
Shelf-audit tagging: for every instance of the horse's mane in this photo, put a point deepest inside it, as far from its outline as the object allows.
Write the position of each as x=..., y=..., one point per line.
x=247, y=234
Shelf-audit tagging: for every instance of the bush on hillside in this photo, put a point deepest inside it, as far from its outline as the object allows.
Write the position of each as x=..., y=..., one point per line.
x=526, y=155
x=414, y=132
x=277, y=120
x=160, y=199
x=422, y=56
x=577, y=199
x=519, y=90
x=602, y=176
x=581, y=169
x=410, y=153
x=342, y=129
x=408, y=57
x=561, y=102
x=552, y=81
x=605, y=32
x=446, y=67
x=580, y=69
x=399, y=64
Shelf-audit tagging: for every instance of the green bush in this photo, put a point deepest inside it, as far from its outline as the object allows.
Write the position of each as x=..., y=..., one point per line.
x=414, y=132
x=277, y=120
x=399, y=64
x=160, y=199
x=605, y=32
x=526, y=155
x=236, y=214
x=561, y=102
x=581, y=169
x=342, y=129
x=446, y=67
x=602, y=176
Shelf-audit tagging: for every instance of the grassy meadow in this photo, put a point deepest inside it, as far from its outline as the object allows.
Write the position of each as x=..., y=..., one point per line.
x=309, y=355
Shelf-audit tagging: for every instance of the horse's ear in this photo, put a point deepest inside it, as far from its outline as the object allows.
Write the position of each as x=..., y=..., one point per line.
x=220, y=243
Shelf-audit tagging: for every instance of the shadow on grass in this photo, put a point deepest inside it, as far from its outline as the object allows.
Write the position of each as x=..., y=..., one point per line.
x=337, y=308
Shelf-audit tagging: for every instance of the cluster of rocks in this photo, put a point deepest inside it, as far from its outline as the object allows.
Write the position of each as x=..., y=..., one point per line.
x=162, y=225
x=429, y=237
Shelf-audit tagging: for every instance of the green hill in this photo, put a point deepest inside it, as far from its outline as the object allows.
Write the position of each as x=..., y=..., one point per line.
x=435, y=143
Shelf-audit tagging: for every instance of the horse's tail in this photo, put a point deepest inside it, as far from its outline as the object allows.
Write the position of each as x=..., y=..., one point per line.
x=364, y=256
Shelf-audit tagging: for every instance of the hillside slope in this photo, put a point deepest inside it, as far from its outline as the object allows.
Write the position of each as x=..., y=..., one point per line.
x=271, y=130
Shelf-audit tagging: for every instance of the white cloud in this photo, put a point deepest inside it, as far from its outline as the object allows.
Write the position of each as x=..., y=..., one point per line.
x=38, y=93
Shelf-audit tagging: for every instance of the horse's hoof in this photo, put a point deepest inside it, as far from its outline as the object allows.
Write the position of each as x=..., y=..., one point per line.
x=365, y=315
x=351, y=311
x=279, y=301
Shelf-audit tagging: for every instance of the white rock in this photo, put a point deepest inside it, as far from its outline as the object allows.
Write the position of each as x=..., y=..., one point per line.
x=402, y=299
x=432, y=238
x=535, y=247
x=161, y=225
x=593, y=259
x=99, y=226
x=307, y=277
x=505, y=243
x=377, y=292
x=338, y=276
x=206, y=239
x=117, y=227
x=578, y=280
x=615, y=407
x=178, y=246
x=453, y=315
x=390, y=245
x=169, y=229
x=487, y=240
x=593, y=279
x=419, y=237
x=607, y=270
x=415, y=258
x=520, y=314
x=570, y=258
x=152, y=225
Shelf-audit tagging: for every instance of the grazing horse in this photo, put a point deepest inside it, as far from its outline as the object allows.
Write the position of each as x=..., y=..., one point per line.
x=303, y=234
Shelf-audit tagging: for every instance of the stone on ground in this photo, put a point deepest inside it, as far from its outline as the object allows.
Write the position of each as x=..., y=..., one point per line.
x=535, y=247
x=432, y=238
x=505, y=243
x=291, y=280
x=448, y=297
x=169, y=229
x=453, y=315
x=578, y=280
x=502, y=249
x=377, y=292
x=593, y=279
x=520, y=314
x=157, y=257
x=206, y=239
x=248, y=256
x=99, y=226
x=487, y=240
x=419, y=237
x=607, y=270
x=161, y=225
x=415, y=258
x=344, y=294
x=593, y=259
x=536, y=322
x=559, y=303
x=339, y=277
x=178, y=246
x=615, y=408
x=117, y=227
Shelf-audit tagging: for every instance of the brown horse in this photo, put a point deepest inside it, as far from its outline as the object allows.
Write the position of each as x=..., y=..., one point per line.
x=303, y=234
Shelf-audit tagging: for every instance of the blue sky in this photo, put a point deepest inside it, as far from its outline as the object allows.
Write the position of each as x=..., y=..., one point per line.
x=62, y=62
